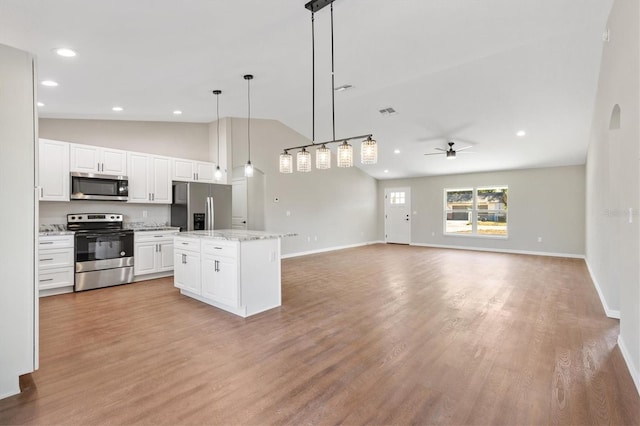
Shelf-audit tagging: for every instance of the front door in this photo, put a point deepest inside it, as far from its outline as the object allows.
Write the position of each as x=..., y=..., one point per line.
x=397, y=215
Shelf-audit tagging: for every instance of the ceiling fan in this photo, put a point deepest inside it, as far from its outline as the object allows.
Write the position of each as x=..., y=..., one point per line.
x=450, y=153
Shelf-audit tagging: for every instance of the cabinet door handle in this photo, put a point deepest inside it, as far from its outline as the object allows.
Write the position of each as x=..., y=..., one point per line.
x=216, y=266
x=44, y=260
x=153, y=196
x=159, y=248
x=46, y=279
x=41, y=192
x=184, y=258
x=98, y=166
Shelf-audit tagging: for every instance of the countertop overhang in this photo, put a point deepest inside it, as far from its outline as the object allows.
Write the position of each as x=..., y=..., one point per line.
x=235, y=234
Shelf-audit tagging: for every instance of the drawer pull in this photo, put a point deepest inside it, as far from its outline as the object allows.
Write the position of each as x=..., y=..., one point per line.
x=158, y=236
x=185, y=244
x=48, y=258
x=46, y=242
x=218, y=248
x=46, y=279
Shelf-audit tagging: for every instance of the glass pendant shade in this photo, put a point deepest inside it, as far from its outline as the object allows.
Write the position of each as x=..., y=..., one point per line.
x=248, y=169
x=286, y=162
x=369, y=151
x=323, y=158
x=345, y=155
x=303, y=161
x=218, y=174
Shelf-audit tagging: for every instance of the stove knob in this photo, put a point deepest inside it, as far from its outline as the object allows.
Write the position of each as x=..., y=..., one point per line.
x=113, y=217
x=79, y=217
x=73, y=217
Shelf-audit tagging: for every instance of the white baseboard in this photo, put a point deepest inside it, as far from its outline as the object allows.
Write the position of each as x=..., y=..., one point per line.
x=324, y=250
x=633, y=369
x=611, y=313
x=533, y=253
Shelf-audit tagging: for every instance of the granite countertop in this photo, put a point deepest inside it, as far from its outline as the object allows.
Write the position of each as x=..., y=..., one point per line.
x=144, y=228
x=54, y=233
x=53, y=230
x=236, y=234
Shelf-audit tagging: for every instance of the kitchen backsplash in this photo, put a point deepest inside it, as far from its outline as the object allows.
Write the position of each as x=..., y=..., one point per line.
x=55, y=213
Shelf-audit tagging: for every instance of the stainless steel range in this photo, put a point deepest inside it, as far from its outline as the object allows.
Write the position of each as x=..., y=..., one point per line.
x=104, y=251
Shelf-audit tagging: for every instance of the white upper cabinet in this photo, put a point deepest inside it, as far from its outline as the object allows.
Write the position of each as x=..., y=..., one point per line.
x=53, y=170
x=193, y=171
x=93, y=159
x=205, y=171
x=149, y=178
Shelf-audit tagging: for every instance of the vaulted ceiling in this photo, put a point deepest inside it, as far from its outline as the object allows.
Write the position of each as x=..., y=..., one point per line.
x=473, y=72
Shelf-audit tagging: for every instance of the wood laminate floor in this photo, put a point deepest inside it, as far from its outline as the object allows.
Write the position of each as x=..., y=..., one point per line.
x=383, y=334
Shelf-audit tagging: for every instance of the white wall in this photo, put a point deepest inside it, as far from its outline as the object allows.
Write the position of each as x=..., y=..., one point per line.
x=547, y=203
x=17, y=192
x=184, y=140
x=326, y=208
x=613, y=182
x=55, y=213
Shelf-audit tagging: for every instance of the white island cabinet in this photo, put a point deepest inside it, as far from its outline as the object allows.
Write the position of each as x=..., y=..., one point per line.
x=234, y=270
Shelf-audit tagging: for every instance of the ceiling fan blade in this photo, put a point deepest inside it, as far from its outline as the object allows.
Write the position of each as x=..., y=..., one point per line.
x=440, y=149
x=467, y=152
x=462, y=149
x=435, y=153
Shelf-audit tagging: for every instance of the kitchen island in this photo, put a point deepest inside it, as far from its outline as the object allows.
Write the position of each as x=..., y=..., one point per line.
x=234, y=270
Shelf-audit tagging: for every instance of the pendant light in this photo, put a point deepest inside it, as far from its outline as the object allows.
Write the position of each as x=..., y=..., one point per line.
x=218, y=173
x=323, y=158
x=303, y=161
x=369, y=151
x=286, y=162
x=248, y=168
x=369, y=148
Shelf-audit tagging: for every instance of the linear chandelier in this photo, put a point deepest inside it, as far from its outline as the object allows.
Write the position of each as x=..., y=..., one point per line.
x=369, y=147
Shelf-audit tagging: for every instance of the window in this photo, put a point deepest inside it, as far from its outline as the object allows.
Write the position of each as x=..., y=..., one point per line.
x=397, y=197
x=476, y=211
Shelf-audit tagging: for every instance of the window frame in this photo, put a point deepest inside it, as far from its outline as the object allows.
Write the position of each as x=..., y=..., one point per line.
x=475, y=212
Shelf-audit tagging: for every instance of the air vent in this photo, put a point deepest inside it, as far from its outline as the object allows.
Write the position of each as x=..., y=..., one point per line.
x=388, y=111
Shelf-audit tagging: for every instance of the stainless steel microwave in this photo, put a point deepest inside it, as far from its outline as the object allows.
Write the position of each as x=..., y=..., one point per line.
x=89, y=186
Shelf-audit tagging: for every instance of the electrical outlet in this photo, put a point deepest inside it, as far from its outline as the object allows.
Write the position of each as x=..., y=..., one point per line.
x=288, y=213
x=315, y=238
x=144, y=213
x=276, y=200
x=539, y=239
x=308, y=239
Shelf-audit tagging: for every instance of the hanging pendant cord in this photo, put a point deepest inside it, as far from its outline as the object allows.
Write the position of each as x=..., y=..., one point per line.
x=218, y=116
x=249, y=120
x=333, y=103
x=313, y=80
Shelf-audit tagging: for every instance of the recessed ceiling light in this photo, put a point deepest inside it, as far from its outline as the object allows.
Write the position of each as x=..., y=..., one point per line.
x=343, y=88
x=521, y=133
x=396, y=151
x=40, y=104
x=386, y=171
x=65, y=51
x=49, y=83
x=177, y=112
x=117, y=108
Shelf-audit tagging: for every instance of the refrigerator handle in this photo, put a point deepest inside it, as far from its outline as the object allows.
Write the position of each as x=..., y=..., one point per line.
x=210, y=214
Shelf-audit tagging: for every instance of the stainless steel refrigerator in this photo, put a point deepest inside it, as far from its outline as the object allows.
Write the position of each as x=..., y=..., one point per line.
x=201, y=206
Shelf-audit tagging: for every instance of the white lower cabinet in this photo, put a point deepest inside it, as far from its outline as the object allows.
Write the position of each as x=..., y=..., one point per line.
x=241, y=277
x=220, y=277
x=55, y=264
x=153, y=254
x=186, y=266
